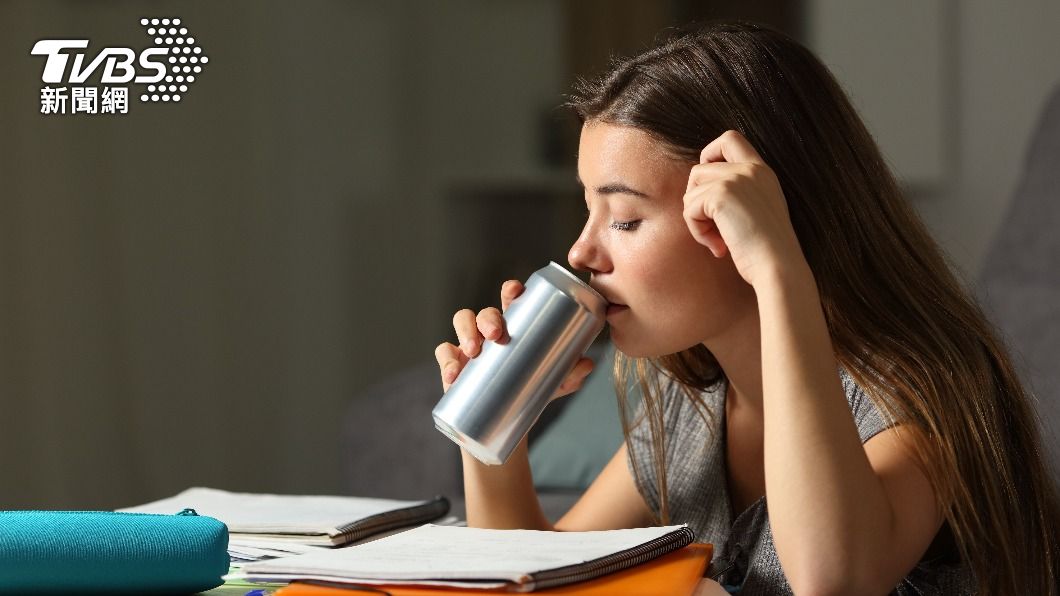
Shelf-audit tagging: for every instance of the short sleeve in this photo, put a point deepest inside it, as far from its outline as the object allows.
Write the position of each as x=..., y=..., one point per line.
x=868, y=418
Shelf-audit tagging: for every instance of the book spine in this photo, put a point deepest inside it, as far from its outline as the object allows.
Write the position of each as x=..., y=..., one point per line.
x=610, y=563
x=389, y=520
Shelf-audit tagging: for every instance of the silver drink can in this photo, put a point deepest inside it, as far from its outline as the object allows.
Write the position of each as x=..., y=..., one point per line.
x=502, y=391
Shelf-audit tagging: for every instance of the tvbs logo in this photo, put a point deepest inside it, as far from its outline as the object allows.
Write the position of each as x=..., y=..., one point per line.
x=119, y=62
x=167, y=68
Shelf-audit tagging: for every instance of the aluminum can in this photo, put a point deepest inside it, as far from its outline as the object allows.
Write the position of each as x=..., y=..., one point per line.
x=501, y=392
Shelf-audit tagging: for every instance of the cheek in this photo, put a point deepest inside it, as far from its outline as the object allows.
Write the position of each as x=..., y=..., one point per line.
x=659, y=280
x=685, y=296
x=652, y=268
x=674, y=267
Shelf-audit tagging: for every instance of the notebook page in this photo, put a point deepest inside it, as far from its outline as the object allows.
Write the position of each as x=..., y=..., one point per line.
x=259, y=513
x=454, y=553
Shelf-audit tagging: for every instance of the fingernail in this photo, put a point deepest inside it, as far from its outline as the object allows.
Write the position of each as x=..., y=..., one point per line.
x=450, y=374
x=489, y=331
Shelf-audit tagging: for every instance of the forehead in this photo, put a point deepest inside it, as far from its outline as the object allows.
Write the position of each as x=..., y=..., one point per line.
x=610, y=150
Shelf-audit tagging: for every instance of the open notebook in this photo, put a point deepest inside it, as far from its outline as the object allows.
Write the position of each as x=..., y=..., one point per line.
x=310, y=520
x=519, y=560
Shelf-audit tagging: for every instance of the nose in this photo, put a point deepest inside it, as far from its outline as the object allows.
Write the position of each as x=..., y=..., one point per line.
x=587, y=255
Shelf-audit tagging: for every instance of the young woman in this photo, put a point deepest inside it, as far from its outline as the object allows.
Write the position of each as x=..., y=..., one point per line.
x=798, y=340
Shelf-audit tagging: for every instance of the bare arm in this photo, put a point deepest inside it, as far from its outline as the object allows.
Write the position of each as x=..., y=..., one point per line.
x=504, y=497
x=611, y=501
x=846, y=518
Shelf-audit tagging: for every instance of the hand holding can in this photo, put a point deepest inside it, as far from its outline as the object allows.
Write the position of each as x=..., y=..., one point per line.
x=473, y=331
x=499, y=388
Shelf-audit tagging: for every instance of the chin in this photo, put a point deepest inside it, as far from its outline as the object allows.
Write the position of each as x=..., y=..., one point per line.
x=644, y=348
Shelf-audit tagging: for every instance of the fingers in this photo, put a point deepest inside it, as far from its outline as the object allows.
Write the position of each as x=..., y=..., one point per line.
x=575, y=378
x=705, y=173
x=732, y=147
x=510, y=290
x=451, y=361
x=471, y=331
x=467, y=334
x=491, y=325
x=699, y=214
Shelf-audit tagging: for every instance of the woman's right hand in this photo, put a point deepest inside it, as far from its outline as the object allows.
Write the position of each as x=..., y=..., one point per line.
x=472, y=331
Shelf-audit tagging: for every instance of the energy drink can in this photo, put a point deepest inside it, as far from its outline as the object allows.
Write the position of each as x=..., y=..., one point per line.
x=501, y=392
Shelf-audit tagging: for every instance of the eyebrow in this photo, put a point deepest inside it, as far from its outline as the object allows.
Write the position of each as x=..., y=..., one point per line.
x=614, y=188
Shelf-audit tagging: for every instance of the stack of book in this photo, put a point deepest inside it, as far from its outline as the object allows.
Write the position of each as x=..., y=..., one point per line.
x=263, y=526
x=444, y=559
x=292, y=540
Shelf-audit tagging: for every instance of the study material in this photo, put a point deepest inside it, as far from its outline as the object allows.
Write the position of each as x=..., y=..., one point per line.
x=302, y=519
x=675, y=574
x=244, y=550
x=519, y=560
x=103, y=552
x=254, y=550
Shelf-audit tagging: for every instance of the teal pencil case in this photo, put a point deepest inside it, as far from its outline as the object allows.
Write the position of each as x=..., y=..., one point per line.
x=106, y=552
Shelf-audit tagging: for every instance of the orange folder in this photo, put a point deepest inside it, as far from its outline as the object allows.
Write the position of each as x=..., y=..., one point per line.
x=674, y=574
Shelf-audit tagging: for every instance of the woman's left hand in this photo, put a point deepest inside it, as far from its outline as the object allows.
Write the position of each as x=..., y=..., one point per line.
x=734, y=205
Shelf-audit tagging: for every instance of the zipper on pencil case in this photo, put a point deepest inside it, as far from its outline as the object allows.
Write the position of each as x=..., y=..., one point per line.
x=186, y=512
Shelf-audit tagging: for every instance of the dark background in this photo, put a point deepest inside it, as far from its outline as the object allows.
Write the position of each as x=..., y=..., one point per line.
x=192, y=293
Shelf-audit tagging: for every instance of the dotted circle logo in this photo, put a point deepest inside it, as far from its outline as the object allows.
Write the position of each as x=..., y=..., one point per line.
x=186, y=59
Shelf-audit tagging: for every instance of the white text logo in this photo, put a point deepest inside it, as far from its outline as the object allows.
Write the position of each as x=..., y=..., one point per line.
x=167, y=69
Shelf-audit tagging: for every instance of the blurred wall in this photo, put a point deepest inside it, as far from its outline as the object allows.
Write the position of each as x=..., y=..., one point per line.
x=952, y=90
x=191, y=293
x=1010, y=62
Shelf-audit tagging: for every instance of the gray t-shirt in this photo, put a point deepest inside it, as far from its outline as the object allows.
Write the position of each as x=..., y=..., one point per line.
x=745, y=558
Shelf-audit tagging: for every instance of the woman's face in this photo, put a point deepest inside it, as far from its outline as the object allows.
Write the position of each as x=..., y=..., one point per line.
x=640, y=253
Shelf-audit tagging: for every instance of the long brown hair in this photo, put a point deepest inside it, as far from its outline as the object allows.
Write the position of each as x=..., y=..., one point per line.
x=900, y=322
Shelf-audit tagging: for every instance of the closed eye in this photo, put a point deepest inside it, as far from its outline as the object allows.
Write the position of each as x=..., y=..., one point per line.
x=625, y=226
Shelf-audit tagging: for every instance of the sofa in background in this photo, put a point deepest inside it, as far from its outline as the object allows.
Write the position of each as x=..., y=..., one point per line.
x=1019, y=284
x=392, y=450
